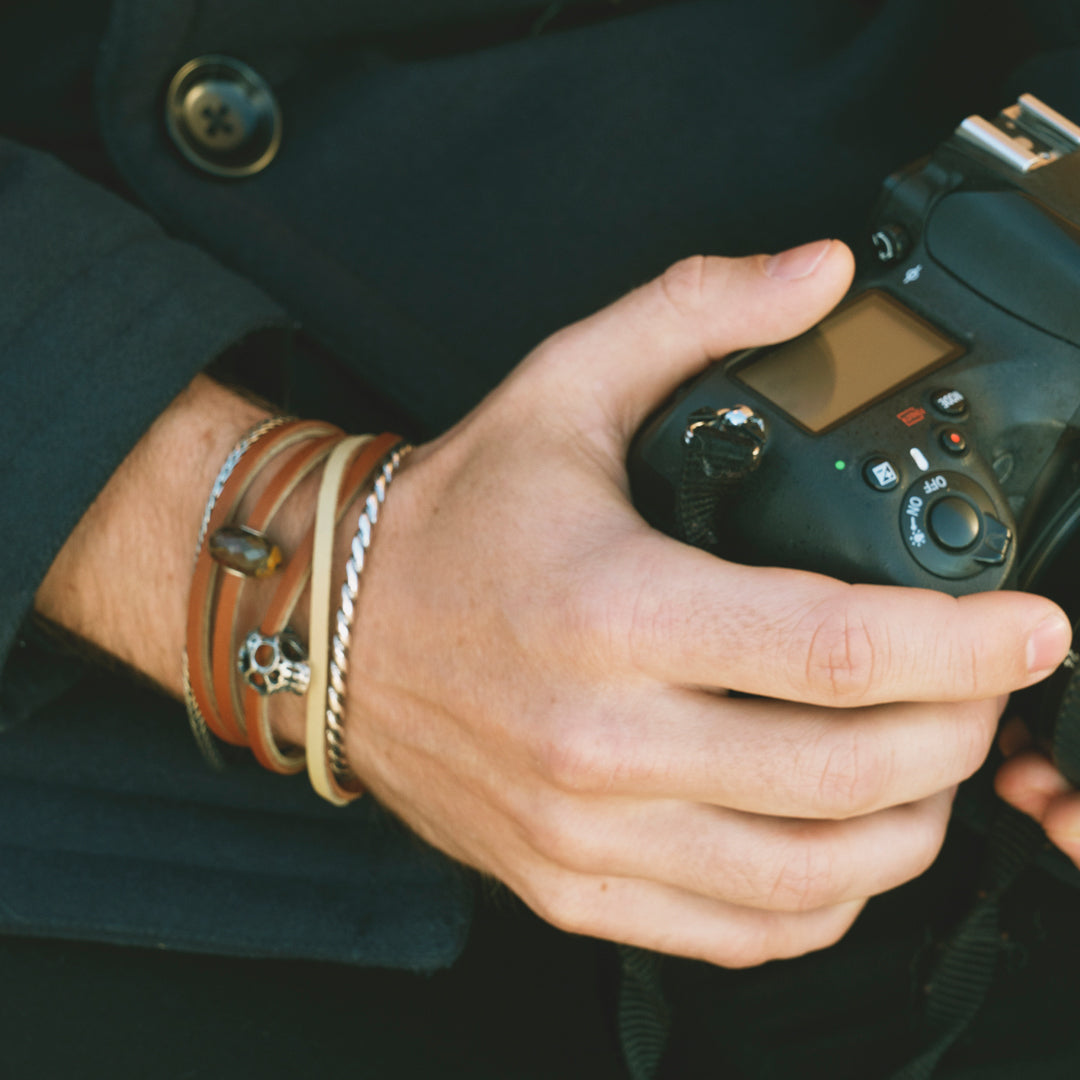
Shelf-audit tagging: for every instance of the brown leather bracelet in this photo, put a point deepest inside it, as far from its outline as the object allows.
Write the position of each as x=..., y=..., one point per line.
x=223, y=653
x=291, y=584
x=201, y=597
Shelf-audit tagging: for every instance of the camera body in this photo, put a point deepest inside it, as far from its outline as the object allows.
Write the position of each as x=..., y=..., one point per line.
x=925, y=433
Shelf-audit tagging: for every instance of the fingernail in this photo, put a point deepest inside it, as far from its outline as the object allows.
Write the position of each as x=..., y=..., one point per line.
x=1048, y=644
x=797, y=262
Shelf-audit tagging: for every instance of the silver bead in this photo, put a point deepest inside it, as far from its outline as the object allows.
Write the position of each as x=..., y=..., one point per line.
x=273, y=664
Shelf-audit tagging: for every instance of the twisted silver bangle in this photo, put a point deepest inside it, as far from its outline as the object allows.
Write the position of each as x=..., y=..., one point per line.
x=339, y=644
x=199, y=729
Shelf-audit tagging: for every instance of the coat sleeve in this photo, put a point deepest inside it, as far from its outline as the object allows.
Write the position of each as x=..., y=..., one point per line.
x=104, y=319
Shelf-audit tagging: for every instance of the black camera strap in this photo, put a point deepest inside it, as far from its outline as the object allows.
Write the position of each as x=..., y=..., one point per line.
x=716, y=459
x=961, y=978
x=644, y=1016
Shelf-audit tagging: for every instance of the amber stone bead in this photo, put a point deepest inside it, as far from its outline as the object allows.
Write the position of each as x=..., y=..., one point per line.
x=244, y=551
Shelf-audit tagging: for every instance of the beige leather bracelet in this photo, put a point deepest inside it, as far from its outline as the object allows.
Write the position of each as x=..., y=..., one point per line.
x=322, y=568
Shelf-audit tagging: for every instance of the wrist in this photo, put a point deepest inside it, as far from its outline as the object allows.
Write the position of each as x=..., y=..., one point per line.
x=121, y=579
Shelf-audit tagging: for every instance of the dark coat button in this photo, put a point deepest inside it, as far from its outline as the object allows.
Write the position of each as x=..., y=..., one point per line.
x=223, y=116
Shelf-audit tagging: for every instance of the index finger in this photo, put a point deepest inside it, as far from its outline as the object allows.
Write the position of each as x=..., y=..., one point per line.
x=693, y=619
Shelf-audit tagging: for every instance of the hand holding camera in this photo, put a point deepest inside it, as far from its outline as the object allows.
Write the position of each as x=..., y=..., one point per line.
x=544, y=676
x=924, y=433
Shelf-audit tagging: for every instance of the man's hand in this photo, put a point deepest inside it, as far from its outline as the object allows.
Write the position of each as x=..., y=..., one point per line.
x=1029, y=781
x=538, y=679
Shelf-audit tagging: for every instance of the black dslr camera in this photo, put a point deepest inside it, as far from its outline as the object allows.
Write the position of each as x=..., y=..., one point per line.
x=927, y=431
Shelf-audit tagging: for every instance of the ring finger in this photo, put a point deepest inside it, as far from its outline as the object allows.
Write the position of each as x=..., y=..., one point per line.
x=754, y=861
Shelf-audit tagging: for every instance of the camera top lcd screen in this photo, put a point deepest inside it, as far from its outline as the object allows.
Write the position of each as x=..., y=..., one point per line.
x=854, y=357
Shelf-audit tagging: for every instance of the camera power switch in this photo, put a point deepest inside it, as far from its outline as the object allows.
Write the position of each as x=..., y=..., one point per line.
x=995, y=542
x=951, y=527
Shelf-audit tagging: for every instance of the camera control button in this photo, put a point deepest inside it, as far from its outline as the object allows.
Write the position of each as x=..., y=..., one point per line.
x=953, y=441
x=954, y=523
x=995, y=542
x=949, y=402
x=881, y=474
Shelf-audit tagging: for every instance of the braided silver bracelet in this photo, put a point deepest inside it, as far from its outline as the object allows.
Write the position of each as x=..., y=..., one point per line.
x=339, y=645
x=199, y=729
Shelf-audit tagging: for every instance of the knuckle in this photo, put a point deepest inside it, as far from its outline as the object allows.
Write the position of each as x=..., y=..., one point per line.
x=560, y=837
x=845, y=652
x=748, y=941
x=806, y=879
x=682, y=285
x=967, y=669
x=974, y=736
x=746, y=951
x=853, y=775
x=781, y=936
x=575, y=760
x=560, y=902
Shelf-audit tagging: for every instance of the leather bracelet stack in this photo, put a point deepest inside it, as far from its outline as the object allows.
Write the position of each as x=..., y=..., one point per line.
x=229, y=679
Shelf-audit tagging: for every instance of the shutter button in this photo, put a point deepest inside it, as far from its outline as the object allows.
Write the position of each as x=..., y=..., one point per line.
x=954, y=523
x=223, y=117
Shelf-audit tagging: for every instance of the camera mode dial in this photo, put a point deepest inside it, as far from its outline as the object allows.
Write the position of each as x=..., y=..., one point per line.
x=951, y=527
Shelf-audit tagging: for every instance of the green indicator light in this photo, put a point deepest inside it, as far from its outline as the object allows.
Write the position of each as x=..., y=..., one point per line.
x=841, y=466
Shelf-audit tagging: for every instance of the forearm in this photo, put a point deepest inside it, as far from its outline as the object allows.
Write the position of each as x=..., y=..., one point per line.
x=121, y=580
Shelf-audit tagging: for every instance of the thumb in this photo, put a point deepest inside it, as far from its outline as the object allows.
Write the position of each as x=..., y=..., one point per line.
x=644, y=345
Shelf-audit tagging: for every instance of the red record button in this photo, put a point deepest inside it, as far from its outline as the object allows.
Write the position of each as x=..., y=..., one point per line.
x=953, y=441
